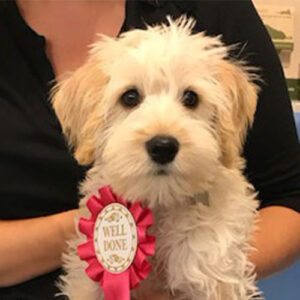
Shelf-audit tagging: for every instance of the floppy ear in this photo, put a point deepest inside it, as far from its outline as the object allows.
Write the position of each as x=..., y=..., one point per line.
x=76, y=101
x=237, y=117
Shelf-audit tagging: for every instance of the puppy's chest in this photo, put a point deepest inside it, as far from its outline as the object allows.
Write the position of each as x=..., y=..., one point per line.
x=168, y=228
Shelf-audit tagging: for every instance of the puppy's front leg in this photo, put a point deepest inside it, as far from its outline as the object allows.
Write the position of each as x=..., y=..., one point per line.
x=75, y=283
x=188, y=245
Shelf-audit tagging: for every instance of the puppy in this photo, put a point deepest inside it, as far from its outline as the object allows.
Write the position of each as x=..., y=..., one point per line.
x=161, y=116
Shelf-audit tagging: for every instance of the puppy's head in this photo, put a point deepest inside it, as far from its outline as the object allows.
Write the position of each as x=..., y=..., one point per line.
x=159, y=110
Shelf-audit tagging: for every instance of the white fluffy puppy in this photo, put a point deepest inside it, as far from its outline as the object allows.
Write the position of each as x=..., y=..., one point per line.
x=161, y=114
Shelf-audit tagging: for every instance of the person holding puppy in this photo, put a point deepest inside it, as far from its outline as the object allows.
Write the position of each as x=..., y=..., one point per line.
x=43, y=40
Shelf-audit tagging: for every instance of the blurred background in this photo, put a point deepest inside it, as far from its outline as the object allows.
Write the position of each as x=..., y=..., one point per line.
x=282, y=20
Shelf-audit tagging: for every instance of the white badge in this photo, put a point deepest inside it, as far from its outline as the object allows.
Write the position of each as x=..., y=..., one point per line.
x=115, y=238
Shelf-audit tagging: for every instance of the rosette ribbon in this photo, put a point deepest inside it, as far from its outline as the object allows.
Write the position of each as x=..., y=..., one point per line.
x=117, y=286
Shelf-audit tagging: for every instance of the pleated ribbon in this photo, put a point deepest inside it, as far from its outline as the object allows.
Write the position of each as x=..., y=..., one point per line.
x=117, y=286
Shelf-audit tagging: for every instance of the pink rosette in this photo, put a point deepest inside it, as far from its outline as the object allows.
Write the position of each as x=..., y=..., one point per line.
x=117, y=286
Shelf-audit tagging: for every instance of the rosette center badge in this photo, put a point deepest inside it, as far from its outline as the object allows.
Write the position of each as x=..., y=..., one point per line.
x=115, y=238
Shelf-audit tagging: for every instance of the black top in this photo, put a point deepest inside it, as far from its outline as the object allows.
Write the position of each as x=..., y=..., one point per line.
x=38, y=174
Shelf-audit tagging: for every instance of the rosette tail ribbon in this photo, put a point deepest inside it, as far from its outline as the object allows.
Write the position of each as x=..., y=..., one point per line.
x=117, y=286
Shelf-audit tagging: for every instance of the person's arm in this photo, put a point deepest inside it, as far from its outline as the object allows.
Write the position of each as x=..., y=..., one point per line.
x=32, y=247
x=277, y=240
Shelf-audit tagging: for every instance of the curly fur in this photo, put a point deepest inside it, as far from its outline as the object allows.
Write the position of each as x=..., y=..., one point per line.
x=204, y=207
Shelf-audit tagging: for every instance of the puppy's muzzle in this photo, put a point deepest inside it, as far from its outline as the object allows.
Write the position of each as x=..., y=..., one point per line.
x=162, y=149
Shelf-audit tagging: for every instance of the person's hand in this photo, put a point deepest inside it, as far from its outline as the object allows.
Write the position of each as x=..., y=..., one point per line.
x=156, y=296
x=152, y=295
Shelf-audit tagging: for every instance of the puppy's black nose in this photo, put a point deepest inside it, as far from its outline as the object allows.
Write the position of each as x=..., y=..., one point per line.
x=162, y=148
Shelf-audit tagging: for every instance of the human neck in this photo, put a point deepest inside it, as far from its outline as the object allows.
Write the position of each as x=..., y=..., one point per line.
x=69, y=26
x=44, y=15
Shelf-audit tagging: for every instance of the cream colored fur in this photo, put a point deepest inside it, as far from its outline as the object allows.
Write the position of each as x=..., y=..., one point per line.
x=204, y=208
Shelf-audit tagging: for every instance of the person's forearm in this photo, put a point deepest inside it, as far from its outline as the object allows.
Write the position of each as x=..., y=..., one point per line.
x=32, y=247
x=277, y=240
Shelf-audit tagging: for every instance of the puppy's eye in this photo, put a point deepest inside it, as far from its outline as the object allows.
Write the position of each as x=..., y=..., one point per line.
x=190, y=99
x=131, y=98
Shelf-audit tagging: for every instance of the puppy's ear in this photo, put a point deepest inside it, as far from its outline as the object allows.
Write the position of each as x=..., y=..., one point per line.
x=237, y=116
x=76, y=101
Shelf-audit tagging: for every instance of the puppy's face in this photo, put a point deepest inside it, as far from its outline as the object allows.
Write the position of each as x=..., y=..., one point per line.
x=160, y=110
